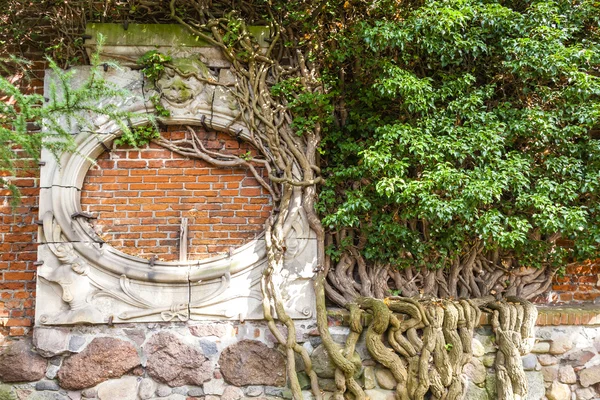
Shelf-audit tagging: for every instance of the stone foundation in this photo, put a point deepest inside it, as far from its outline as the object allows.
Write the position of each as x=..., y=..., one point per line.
x=232, y=360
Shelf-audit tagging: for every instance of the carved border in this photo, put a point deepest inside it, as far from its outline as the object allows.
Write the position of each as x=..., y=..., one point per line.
x=84, y=280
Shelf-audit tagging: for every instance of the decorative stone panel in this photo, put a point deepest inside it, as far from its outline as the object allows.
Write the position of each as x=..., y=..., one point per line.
x=84, y=280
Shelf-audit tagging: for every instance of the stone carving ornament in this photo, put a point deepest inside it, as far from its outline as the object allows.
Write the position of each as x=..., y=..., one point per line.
x=83, y=280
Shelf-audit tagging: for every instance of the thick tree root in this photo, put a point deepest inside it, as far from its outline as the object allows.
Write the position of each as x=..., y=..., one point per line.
x=429, y=341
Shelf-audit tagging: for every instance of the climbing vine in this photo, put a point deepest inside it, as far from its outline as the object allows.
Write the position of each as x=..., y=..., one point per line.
x=445, y=154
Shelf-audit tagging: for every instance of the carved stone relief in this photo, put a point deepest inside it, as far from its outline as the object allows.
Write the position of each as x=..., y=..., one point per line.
x=83, y=280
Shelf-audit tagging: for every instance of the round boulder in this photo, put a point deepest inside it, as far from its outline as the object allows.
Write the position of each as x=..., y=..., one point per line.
x=104, y=358
x=18, y=363
x=250, y=362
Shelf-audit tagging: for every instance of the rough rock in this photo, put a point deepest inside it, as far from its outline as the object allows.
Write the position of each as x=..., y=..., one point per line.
x=76, y=343
x=104, y=358
x=51, y=342
x=41, y=395
x=474, y=392
x=46, y=385
x=195, y=392
x=175, y=363
x=585, y=394
x=490, y=385
x=214, y=386
x=123, y=389
x=163, y=391
x=52, y=371
x=147, y=388
x=536, y=388
x=547, y=359
x=475, y=370
x=488, y=360
x=327, y=384
x=324, y=366
x=560, y=345
x=529, y=362
x=19, y=364
x=218, y=330
x=380, y=394
x=208, y=347
x=477, y=348
x=385, y=378
x=254, y=391
x=580, y=357
x=232, y=393
x=566, y=374
x=488, y=342
x=93, y=392
x=541, y=347
x=138, y=336
x=589, y=376
x=558, y=391
x=249, y=362
x=369, y=378
x=303, y=380
x=550, y=373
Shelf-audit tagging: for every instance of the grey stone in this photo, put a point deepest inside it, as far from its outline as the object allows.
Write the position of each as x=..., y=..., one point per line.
x=46, y=396
x=92, y=392
x=104, y=358
x=287, y=393
x=490, y=385
x=307, y=395
x=566, y=374
x=585, y=394
x=147, y=388
x=589, y=376
x=324, y=366
x=369, y=377
x=476, y=372
x=46, y=385
x=474, y=392
x=308, y=347
x=274, y=391
x=254, y=391
x=529, y=362
x=249, y=362
x=560, y=345
x=327, y=384
x=195, y=392
x=488, y=360
x=477, y=348
x=208, y=347
x=379, y=394
x=57, y=360
x=175, y=363
x=488, y=341
x=547, y=359
x=536, y=388
x=52, y=371
x=214, y=386
x=541, y=347
x=76, y=343
x=163, y=390
x=51, y=342
x=74, y=395
x=138, y=336
x=232, y=393
x=550, y=373
x=385, y=378
x=123, y=389
x=19, y=364
x=180, y=390
x=558, y=391
x=173, y=396
x=315, y=341
x=214, y=329
x=303, y=380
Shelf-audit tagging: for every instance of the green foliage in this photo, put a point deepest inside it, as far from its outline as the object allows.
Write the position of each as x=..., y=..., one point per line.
x=153, y=64
x=469, y=122
x=67, y=109
x=138, y=136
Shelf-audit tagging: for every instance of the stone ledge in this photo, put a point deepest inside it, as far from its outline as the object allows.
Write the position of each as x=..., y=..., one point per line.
x=547, y=316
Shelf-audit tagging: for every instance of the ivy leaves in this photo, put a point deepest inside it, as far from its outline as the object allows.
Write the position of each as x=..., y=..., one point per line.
x=484, y=117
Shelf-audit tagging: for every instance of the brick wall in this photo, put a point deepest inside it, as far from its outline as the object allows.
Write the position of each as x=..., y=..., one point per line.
x=579, y=283
x=141, y=195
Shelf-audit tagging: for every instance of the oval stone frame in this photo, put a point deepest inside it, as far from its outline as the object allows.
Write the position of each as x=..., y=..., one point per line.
x=83, y=280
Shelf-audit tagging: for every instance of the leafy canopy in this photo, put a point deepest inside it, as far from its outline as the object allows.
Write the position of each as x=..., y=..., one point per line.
x=470, y=123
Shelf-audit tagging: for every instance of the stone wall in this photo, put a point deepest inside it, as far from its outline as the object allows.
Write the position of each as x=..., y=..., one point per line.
x=233, y=360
